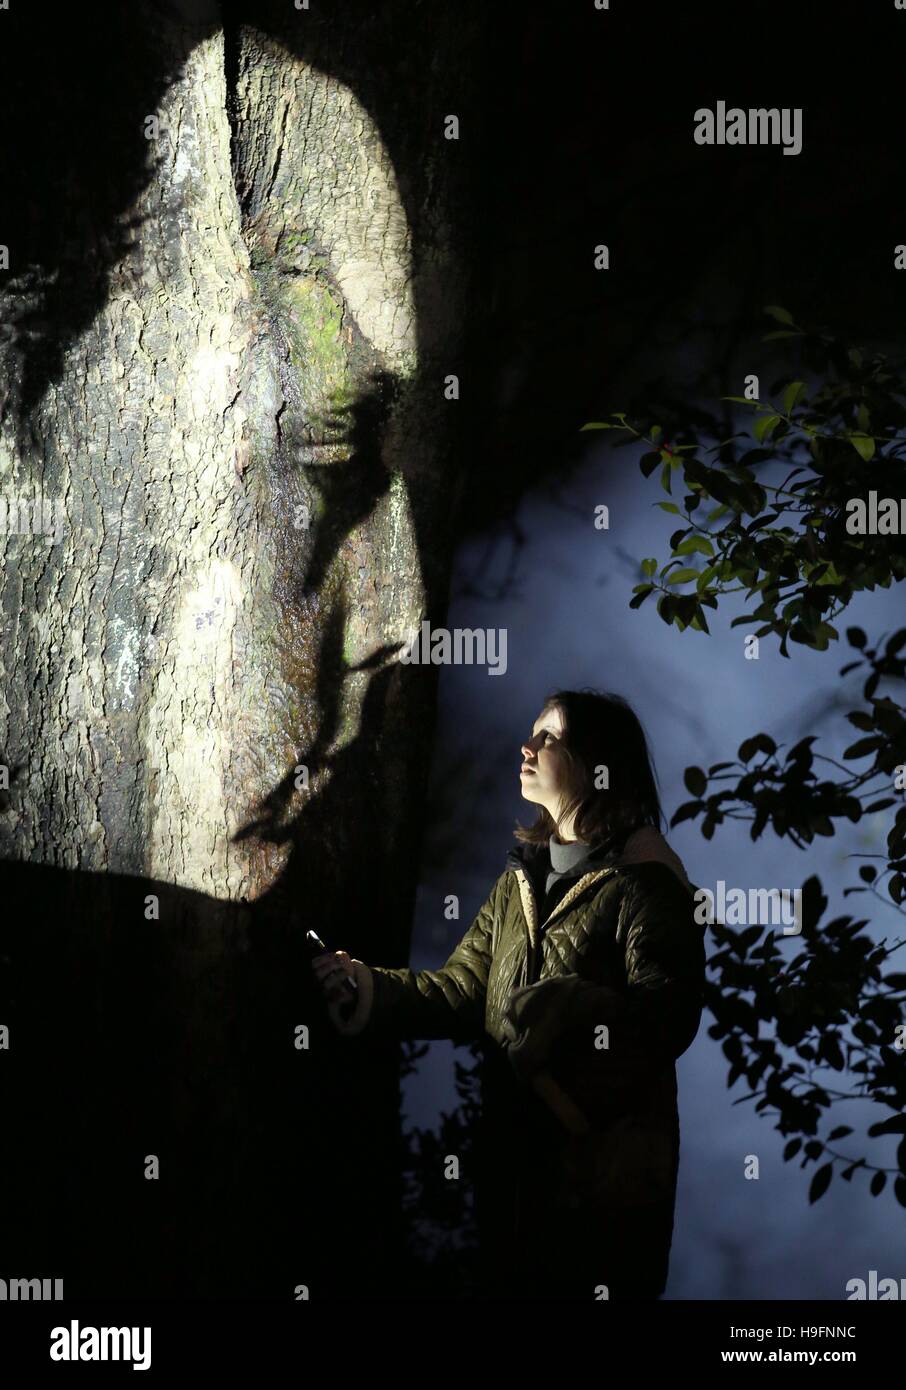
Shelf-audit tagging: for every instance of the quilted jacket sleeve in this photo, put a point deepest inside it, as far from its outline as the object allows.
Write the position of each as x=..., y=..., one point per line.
x=654, y=1019
x=444, y=1003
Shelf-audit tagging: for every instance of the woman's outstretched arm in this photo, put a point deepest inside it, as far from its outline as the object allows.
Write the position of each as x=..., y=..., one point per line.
x=444, y=1003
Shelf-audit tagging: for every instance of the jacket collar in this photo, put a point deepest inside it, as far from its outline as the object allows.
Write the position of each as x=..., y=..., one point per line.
x=529, y=901
x=644, y=844
x=529, y=861
x=526, y=852
x=534, y=860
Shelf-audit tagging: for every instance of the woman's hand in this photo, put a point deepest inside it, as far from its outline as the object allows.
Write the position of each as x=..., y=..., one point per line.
x=331, y=972
x=348, y=1009
x=533, y=1018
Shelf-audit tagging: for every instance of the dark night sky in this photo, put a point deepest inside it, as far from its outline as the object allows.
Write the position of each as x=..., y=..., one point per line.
x=589, y=140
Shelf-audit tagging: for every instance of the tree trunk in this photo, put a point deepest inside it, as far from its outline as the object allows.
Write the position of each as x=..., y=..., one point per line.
x=225, y=345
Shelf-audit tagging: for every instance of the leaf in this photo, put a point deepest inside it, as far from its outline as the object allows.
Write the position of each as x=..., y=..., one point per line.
x=691, y=544
x=820, y=1182
x=878, y=1183
x=682, y=576
x=760, y=743
x=895, y=1125
x=695, y=780
x=863, y=444
x=598, y=425
x=840, y=1132
x=759, y=523
x=793, y=395
x=901, y=1155
x=862, y=747
x=734, y=1074
x=832, y=1052
x=757, y=456
x=764, y=426
x=776, y=312
x=669, y=507
x=648, y=567
x=641, y=596
x=666, y=608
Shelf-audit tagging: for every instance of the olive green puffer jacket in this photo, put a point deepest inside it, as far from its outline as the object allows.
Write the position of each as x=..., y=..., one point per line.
x=582, y=1017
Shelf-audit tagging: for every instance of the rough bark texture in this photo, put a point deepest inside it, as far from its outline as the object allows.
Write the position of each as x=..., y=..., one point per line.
x=235, y=440
x=140, y=642
x=224, y=362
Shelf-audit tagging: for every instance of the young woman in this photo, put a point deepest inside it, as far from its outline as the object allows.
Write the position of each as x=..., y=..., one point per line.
x=582, y=975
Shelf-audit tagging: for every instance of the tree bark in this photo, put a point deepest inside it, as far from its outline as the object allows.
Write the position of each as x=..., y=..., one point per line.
x=224, y=374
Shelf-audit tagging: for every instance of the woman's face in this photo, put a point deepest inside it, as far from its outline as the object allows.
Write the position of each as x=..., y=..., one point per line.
x=547, y=774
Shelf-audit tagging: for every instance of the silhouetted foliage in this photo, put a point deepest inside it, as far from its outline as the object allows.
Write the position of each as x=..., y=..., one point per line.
x=440, y=1209
x=801, y=546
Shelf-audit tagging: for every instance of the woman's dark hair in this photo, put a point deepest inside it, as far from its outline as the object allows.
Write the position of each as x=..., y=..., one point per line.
x=602, y=732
